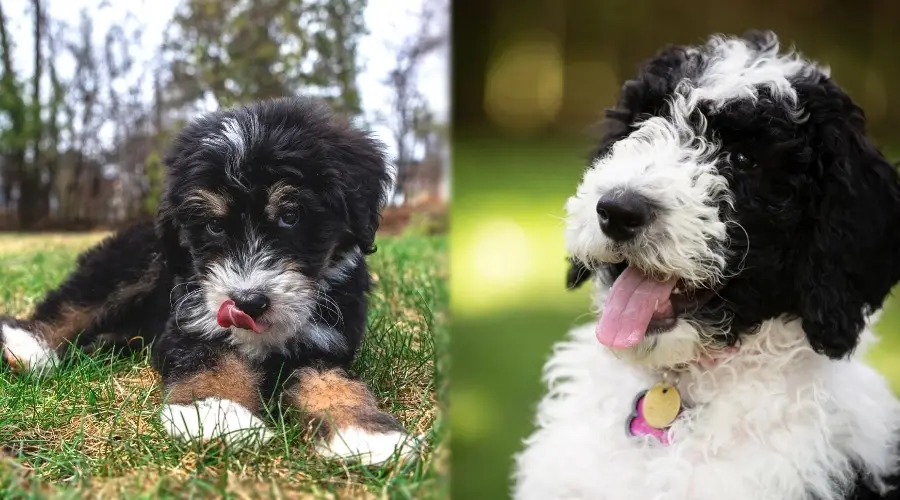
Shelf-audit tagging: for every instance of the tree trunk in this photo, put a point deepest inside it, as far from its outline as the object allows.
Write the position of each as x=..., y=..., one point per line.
x=12, y=170
x=8, y=174
x=14, y=157
x=33, y=196
x=33, y=201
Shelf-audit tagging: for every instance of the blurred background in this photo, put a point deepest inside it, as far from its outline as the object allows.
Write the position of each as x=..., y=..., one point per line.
x=91, y=92
x=530, y=80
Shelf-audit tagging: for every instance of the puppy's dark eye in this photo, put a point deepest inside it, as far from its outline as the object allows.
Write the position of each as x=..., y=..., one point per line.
x=215, y=227
x=742, y=161
x=288, y=219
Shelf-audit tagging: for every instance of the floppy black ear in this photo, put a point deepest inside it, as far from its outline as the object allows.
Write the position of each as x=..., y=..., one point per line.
x=853, y=258
x=364, y=193
x=365, y=218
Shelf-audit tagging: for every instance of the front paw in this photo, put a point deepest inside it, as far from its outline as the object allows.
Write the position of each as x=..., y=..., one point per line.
x=369, y=446
x=24, y=350
x=214, y=418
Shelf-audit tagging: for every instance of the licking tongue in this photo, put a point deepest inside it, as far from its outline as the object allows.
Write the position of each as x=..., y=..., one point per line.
x=229, y=315
x=629, y=308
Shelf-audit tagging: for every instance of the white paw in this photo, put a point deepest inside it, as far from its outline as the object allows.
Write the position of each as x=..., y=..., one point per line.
x=25, y=351
x=353, y=443
x=214, y=418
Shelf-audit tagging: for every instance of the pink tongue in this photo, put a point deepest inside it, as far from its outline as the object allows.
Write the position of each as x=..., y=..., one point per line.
x=229, y=315
x=629, y=308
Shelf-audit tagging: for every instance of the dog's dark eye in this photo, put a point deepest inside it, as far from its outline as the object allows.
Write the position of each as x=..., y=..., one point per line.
x=215, y=228
x=288, y=219
x=742, y=161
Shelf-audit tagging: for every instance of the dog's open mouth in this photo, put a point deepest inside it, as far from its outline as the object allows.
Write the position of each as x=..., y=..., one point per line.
x=638, y=305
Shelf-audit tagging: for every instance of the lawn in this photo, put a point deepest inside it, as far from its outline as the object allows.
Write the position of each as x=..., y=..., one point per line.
x=91, y=430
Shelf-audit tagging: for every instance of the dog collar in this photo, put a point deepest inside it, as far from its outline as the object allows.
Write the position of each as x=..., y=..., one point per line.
x=654, y=410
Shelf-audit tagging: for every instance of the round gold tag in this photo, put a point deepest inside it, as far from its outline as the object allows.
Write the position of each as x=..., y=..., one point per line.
x=661, y=406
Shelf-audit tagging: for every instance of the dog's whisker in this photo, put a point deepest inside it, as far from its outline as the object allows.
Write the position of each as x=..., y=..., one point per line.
x=184, y=284
x=177, y=308
x=331, y=305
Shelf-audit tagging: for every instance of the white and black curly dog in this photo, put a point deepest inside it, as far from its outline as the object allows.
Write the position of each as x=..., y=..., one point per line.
x=741, y=233
x=251, y=283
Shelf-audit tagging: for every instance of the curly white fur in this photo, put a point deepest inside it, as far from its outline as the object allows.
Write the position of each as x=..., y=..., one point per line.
x=776, y=421
x=773, y=421
x=669, y=162
x=677, y=172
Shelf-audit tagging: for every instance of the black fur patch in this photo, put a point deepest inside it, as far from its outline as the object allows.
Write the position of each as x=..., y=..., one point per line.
x=817, y=214
x=340, y=178
x=817, y=207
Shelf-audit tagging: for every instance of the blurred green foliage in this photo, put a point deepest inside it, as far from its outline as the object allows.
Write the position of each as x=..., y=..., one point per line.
x=551, y=66
x=155, y=171
x=530, y=78
x=242, y=51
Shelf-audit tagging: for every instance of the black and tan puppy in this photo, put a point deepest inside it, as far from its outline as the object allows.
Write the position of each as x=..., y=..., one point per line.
x=251, y=284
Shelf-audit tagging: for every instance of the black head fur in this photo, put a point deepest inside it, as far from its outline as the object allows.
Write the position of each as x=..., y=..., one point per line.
x=340, y=173
x=816, y=234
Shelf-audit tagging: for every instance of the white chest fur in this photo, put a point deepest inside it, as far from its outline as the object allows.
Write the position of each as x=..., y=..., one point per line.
x=775, y=421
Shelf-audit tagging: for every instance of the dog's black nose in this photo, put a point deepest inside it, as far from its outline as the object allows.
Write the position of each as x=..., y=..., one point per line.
x=623, y=215
x=254, y=304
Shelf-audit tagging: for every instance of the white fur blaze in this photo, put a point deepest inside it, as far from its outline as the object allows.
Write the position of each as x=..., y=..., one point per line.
x=773, y=420
x=682, y=166
x=214, y=418
x=26, y=352
x=671, y=161
x=355, y=444
x=255, y=268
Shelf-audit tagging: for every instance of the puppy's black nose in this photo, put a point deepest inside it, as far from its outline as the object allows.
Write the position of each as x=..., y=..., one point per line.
x=623, y=215
x=254, y=304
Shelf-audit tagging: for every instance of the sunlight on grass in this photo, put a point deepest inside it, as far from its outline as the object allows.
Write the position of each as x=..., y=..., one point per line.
x=505, y=262
x=91, y=428
x=12, y=243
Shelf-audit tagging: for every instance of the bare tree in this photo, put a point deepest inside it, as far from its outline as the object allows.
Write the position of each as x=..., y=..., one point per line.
x=33, y=200
x=57, y=99
x=409, y=109
x=83, y=121
x=12, y=104
x=83, y=147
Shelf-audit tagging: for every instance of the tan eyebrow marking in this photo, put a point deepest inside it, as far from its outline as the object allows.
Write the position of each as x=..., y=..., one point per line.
x=281, y=196
x=208, y=203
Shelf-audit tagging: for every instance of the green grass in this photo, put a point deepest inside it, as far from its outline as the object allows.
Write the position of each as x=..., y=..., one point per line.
x=509, y=301
x=90, y=429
